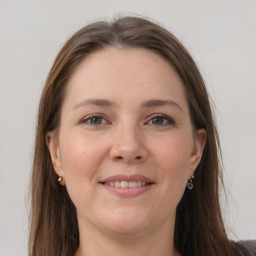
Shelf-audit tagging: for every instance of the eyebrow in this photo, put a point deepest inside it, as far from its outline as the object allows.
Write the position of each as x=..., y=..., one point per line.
x=159, y=103
x=96, y=102
x=108, y=103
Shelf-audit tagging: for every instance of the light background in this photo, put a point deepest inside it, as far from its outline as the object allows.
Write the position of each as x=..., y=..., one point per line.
x=220, y=35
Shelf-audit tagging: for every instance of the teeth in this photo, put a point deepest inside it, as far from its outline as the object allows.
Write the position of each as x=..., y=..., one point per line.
x=126, y=184
x=117, y=184
x=132, y=184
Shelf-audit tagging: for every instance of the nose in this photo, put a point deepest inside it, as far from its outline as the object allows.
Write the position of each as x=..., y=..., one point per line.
x=128, y=145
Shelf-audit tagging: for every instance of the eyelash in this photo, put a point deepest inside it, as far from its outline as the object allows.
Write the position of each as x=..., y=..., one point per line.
x=89, y=118
x=169, y=120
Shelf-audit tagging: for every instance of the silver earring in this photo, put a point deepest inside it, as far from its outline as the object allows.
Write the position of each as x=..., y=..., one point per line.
x=60, y=179
x=190, y=183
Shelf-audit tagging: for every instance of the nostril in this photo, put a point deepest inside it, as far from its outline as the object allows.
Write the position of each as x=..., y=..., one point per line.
x=127, y=159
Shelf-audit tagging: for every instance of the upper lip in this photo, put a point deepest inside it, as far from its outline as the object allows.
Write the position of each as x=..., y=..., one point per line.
x=122, y=177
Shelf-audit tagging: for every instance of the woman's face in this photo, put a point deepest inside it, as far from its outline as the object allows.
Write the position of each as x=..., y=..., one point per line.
x=125, y=122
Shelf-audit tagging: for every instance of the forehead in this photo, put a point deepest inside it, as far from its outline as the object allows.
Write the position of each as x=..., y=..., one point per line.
x=124, y=73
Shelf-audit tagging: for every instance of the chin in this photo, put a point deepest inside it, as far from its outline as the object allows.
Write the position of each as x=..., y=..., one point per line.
x=127, y=221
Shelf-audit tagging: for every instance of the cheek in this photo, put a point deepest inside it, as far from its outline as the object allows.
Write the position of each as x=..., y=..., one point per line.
x=173, y=161
x=174, y=153
x=81, y=156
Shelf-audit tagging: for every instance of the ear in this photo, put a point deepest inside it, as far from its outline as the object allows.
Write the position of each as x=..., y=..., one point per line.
x=53, y=146
x=197, y=152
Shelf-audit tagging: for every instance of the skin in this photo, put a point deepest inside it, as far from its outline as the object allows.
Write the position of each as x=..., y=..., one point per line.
x=125, y=138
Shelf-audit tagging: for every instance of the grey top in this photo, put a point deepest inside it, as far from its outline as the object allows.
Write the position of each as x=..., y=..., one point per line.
x=245, y=248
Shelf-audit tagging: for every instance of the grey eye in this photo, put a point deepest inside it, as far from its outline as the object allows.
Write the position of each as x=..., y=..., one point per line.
x=158, y=121
x=94, y=120
x=161, y=120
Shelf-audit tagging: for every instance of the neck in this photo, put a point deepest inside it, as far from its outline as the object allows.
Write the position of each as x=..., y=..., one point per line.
x=97, y=243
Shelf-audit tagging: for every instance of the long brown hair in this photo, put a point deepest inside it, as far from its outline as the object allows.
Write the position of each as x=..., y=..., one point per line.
x=199, y=229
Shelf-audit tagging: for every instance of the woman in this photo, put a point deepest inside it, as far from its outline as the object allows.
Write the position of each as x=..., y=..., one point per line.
x=126, y=152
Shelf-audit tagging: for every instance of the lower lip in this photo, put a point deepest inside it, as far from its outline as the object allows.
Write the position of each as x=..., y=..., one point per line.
x=128, y=192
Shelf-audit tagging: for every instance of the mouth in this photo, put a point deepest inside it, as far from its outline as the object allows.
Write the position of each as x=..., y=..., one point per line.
x=127, y=186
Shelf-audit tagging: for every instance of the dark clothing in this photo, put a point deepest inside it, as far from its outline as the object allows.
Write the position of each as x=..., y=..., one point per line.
x=245, y=248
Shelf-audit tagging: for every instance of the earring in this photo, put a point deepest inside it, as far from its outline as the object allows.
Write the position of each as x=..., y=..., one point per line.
x=190, y=183
x=60, y=179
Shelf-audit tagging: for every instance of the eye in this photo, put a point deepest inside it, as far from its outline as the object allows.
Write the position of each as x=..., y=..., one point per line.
x=94, y=120
x=161, y=120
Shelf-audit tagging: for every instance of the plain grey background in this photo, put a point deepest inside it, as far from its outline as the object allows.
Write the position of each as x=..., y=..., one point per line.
x=220, y=35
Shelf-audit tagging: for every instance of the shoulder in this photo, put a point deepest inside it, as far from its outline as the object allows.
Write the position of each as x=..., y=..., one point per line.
x=245, y=248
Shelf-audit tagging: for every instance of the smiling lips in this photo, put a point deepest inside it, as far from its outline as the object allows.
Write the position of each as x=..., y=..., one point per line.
x=127, y=186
